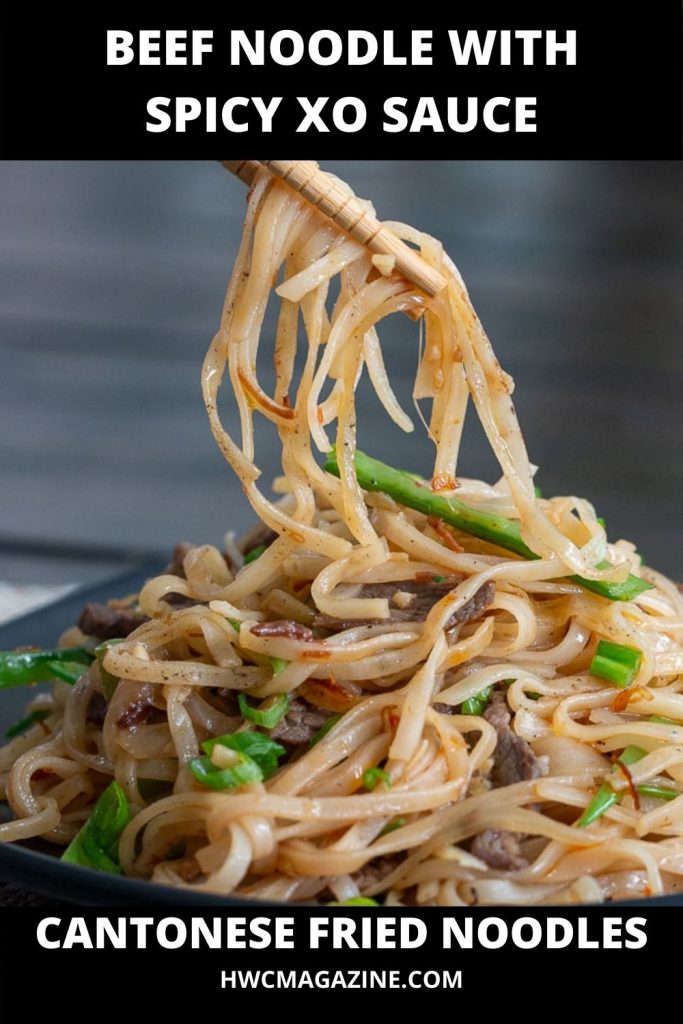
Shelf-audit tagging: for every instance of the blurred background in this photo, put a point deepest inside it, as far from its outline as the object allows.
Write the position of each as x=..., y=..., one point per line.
x=111, y=281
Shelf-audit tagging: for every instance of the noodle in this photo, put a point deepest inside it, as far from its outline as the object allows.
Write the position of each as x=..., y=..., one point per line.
x=471, y=734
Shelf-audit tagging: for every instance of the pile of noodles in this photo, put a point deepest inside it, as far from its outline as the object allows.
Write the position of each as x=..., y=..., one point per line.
x=306, y=832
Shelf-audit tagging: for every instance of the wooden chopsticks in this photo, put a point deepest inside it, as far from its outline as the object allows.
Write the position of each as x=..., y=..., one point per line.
x=347, y=212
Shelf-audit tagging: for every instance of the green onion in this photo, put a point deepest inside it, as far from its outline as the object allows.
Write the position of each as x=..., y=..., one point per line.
x=97, y=844
x=606, y=797
x=392, y=826
x=254, y=745
x=373, y=475
x=67, y=671
x=355, y=901
x=109, y=682
x=477, y=705
x=332, y=720
x=660, y=792
x=438, y=579
x=660, y=720
x=602, y=522
x=244, y=771
x=616, y=663
x=267, y=717
x=25, y=723
x=538, y=493
x=255, y=553
x=373, y=776
x=21, y=668
x=279, y=665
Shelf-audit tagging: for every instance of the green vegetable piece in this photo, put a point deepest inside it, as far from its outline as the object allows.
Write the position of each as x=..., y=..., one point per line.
x=661, y=720
x=261, y=749
x=355, y=901
x=606, y=797
x=97, y=844
x=373, y=475
x=109, y=682
x=391, y=826
x=438, y=579
x=255, y=553
x=616, y=663
x=244, y=771
x=477, y=705
x=67, y=671
x=279, y=665
x=21, y=668
x=24, y=724
x=660, y=792
x=266, y=717
x=323, y=731
x=373, y=776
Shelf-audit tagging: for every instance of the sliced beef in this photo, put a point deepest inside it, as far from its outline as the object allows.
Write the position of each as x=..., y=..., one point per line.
x=513, y=758
x=375, y=871
x=97, y=709
x=284, y=628
x=499, y=849
x=175, y=566
x=298, y=727
x=426, y=592
x=140, y=712
x=105, y=623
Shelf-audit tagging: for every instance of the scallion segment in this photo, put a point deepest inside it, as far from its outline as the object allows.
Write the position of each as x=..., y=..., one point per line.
x=606, y=797
x=255, y=553
x=659, y=792
x=392, y=826
x=477, y=705
x=109, y=682
x=266, y=717
x=616, y=663
x=406, y=489
x=24, y=724
x=373, y=776
x=279, y=665
x=355, y=901
x=323, y=731
x=255, y=759
x=97, y=844
x=67, y=671
x=21, y=668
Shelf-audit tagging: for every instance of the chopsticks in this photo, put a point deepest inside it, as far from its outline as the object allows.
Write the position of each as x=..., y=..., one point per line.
x=347, y=212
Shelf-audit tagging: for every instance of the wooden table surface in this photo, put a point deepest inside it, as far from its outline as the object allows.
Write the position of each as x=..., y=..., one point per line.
x=111, y=280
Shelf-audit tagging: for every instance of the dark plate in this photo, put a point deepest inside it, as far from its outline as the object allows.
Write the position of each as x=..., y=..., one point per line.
x=44, y=872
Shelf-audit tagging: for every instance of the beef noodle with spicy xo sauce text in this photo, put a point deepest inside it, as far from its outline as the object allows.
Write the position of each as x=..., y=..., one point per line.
x=402, y=686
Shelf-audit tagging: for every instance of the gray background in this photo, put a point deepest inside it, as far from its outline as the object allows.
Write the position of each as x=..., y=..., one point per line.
x=111, y=280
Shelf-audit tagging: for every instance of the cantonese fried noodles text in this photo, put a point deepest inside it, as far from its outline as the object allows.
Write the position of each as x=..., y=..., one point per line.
x=398, y=688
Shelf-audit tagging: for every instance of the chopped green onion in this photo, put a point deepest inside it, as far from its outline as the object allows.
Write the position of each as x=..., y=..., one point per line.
x=255, y=553
x=660, y=720
x=25, y=723
x=109, y=682
x=235, y=623
x=97, y=844
x=254, y=745
x=438, y=579
x=616, y=663
x=602, y=522
x=373, y=475
x=279, y=665
x=332, y=720
x=477, y=705
x=392, y=826
x=606, y=797
x=355, y=901
x=244, y=771
x=533, y=695
x=373, y=776
x=660, y=792
x=267, y=717
x=21, y=668
x=538, y=493
x=67, y=671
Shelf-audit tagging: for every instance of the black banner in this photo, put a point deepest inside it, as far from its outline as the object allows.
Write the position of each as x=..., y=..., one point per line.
x=498, y=81
x=230, y=952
